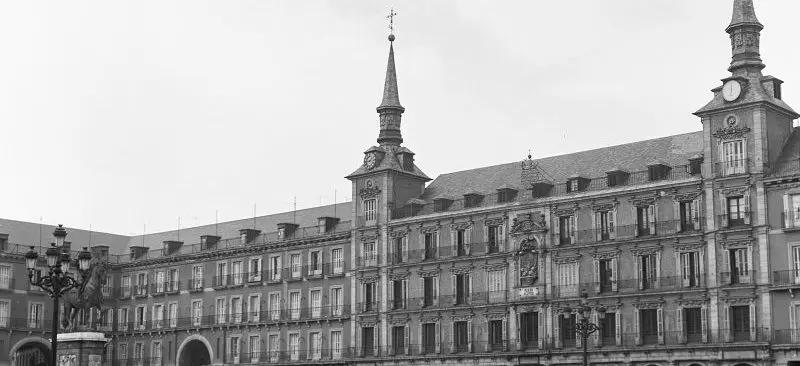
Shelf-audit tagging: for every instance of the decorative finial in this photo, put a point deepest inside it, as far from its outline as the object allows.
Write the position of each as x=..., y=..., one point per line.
x=529, y=154
x=391, y=16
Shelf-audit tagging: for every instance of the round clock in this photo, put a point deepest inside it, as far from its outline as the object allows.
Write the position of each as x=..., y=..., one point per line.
x=370, y=160
x=731, y=90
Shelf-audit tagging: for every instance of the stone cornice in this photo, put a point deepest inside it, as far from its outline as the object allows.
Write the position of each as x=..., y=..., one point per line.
x=650, y=249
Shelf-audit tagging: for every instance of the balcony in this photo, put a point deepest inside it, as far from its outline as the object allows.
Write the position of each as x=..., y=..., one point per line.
x=626, y=232
x=736, y=278
x=790, y=220
x=367, y=261
x=333, y=269
x=734, y=219
x=194, y=285
x=630, y=285
x=789, y=277
x=732, y=167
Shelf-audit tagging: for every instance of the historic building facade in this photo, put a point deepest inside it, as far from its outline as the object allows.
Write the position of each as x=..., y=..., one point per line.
x=689, y=243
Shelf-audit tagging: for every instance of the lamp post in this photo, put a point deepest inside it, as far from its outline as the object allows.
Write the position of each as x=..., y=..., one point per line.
x=583, y=327
x=58, y=279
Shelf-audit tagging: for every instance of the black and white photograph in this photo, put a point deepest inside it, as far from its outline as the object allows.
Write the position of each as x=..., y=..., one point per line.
x=399, y=183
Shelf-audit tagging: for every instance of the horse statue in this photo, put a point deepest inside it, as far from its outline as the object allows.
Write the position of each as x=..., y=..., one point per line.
x=88, y=295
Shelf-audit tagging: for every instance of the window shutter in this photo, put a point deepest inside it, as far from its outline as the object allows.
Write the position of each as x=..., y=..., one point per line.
x=612, y=215
x=557, y=329
x=727, y=322
x=438, y=338
x=634, y=214
x=469, y=287
x=651, y=215
x=613, y=275
x=389, y=296
x=746, y=207
x=467, y=238
x=597, y=226
x=660, y=315
x=376, y=345
x=540, y=317
x=453, y=240
x=704, y=324
x=469, y=336
x=724, y=208
x=618, y=327
x=436, y=293
x=501, y=237
x=505, y=335
x=787, y=211
x=455, y=288
x=639, y=274
x=406, y=343
x=421, y=341
x=596, y=335
x=578, y=339
x=405, y=294
x=597, y=279
x=436, y=244
x=695, y=213
x=636, y=334
x=557, y=231
x=404, y=247
x=658, y=270
x=676, y=214
x=519, y=331
x=573, y=230
x=753, y=322
x=421, y=301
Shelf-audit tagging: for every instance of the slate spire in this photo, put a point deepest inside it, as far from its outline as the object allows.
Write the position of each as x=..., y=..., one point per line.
x=745, y=33
x=390, y=109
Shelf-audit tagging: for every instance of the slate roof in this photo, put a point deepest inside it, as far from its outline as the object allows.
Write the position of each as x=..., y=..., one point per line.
x=755, y=92
x=389, y=162
x=673, y=150
x=27, y=233
x=789, y=160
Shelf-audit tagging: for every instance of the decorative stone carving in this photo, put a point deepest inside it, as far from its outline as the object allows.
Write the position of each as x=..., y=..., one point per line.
x=689, y=247
x=692, y=302
x=606, y=254
x=603, y=206
x=739, y=300
x=736, y=243
x=687, y=196
x=649, y=304
x=495, y=266
x=399, y=275
x=462, y=317
x=428, y=273
x=643, y=201
x=567, y=259
x=399, y=232
x=369, y=278
x=430, y=229
x=494, y=221
x=495, y=316
x=461, y=270
x=646, y=250
x=567, y=211
x=461, y=225
x=528, y=223
x=368, y=237
x=731, y=132
x=369, y=191
x=429, y=317
x=399, y=319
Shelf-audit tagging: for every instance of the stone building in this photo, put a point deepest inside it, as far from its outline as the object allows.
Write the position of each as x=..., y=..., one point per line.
x=690, y=243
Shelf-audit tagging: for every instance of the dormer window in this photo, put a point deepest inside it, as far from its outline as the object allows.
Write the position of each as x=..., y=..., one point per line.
x=286, y=230
x=658, y=171
x=616, y=177
x=541, y=189
x=506, y=195
x=326, y=224
x=695, y=165
x=576, y=184
x=472, y=200
x=441, y=204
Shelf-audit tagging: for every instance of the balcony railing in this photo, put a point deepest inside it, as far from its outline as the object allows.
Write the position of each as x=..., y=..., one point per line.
x=622, y=232
x=790, y=220
x=737, y=278
x=631, y=285
x=735, y=219
x=194, y=284
x=786, y=277
x=732, y=167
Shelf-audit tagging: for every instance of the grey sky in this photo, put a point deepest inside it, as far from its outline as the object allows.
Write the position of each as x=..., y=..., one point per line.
x=124, y=113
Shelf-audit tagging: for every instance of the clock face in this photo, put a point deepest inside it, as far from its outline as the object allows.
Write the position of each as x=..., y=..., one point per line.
x=370, y=160
x=731, y=90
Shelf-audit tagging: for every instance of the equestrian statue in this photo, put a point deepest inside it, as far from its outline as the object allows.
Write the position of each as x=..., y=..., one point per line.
x=87, y=296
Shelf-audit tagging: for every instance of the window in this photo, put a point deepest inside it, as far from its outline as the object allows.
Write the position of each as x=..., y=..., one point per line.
x=568, y=279
x=398, y=294
x=138, y=351
x=294, y=346
x=398, y=250
x=126, y=286
x=737, y=212
x=740, y=322
x=336, y=344
x=274, y=306
x=197, y=312
x=494, y=238
x=236, y=309
x=316, y=303
x=690, y=269
x=645, y=220
x=370, y=254
x=35, y=315
x=472, y=200
x=197, y=277
x=237, y=268
x=431, y=243
x=689, y=215
x=568, y=333
x=497, y=282
x=274, y=347
x=460, y=336
x=695, y=166
x=566, y=230
x=315, y=263
x=5, y=276
x=506, y=195
x=222, y=274
x=428, y=338
x=255, y=348
x=338, y=260
x=368, y=341
x=529, y=329
x=235, y=343
x=122, y=319
x=173, y=280
x=254, y=270
x=336, y=301
x=733, y=157
x=693, y=324
x=461, y=242
x=496, y=335
x=158, y=316
x=155, y=352
x=369, y=297
x=739, y=261
x=398, y=339
x=462, y=288
x=608, y=329
x=221, y=311
x=658, y=172
x=4, y=311
x=172, y=311
x=648, y=326
x=123, y=351
x=369, y=210
x=294, y=263
x=294, y=305
x=648, y=271
x=141, y=284
x=140, y=317
x=604, y=224
x=606, y=275
x=573, y=185
x=254, y=308
x=160, y=281
x=275, y=270
x=430, y=291
x=315, y=346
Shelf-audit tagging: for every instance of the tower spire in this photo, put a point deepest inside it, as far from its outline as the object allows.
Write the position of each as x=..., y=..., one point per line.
x=390, y=110
x=744, y=31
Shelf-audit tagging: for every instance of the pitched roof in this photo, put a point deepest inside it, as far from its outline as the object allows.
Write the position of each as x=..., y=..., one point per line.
x=389, y=162
x=28, y=233
x=391, y=97
x=755, y=92
x=673, y=150
x=788, y=162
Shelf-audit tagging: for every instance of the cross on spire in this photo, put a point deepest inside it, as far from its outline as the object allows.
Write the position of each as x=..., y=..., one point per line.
x=391, y=16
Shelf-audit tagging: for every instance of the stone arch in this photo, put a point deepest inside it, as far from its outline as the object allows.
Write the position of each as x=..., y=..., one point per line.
x=43, y=343
x=696, y=364
x=195, y=338
x=743, y=364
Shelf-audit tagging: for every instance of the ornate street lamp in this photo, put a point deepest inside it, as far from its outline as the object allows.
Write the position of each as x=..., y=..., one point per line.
x=583, y=326
x=58, y=279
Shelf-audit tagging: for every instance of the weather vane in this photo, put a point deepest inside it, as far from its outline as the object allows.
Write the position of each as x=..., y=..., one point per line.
x=391, y=16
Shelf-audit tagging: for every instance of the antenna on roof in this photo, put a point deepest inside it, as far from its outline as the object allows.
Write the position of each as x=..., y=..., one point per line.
x=90, y=235
x=294, y=211
x=144, y=231
x=216, y=222
x=334, y=202
x=40, y=230
x=179, y=228
x=254, y=216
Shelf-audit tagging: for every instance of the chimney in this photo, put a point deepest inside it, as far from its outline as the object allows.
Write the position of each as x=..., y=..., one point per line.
x=208, y=241
x=772, y=85
x=248, y=235
x=171, y=246
x=138, y=252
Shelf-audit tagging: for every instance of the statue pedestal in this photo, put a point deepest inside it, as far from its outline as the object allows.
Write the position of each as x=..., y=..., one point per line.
x=81, y=348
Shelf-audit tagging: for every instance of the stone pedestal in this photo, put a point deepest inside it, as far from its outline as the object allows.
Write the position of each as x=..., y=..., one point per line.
x=81, y=348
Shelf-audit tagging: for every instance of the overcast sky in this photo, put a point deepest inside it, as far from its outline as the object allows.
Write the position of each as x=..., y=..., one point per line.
x=117, y=114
